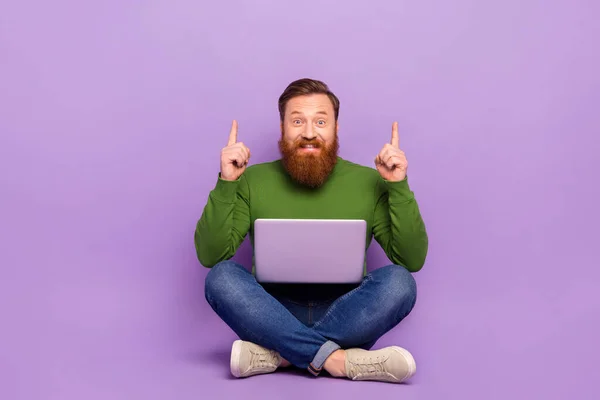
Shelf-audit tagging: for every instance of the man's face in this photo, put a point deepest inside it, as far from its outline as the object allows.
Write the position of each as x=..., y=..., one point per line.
x=309, y=143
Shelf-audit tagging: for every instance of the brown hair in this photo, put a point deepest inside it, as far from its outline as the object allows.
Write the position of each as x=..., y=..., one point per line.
x=303, y=87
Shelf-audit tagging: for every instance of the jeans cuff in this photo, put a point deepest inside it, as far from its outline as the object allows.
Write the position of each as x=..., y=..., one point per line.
x=316, y=366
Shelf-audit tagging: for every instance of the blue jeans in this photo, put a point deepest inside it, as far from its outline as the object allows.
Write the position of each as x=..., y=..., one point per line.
x=305, y=326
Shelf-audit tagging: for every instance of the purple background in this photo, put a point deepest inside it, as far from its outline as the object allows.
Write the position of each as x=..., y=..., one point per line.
x=112, y=117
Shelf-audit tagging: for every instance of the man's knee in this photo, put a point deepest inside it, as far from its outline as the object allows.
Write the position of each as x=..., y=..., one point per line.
x=221, y=278
x=398, y=286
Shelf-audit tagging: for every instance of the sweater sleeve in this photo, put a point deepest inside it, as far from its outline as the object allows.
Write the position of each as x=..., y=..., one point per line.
x=398, y=225
x=224, y=223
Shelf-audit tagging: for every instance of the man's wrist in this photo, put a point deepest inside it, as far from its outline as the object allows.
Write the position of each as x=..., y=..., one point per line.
x=225, y=190
x=399, y=191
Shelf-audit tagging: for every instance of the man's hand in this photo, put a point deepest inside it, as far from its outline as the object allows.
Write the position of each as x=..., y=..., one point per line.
x=391, y=161
x=234, y=157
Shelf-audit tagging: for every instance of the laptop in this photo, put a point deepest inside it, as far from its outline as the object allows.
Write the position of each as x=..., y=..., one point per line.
x=309, y=250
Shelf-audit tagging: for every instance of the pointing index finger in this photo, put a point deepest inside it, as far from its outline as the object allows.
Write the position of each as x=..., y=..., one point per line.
x=395, y=137
x=233, y=133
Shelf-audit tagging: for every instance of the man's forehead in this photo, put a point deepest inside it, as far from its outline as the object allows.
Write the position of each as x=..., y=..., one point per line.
x=309, y=109
x=315, y=101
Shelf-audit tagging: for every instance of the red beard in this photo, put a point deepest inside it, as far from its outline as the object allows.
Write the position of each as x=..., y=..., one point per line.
x=308, y=169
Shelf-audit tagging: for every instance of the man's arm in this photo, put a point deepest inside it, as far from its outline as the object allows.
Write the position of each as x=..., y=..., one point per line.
x=398, y=226
x=224, y=223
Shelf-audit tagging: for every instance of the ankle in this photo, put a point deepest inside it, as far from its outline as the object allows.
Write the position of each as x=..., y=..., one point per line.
x=336, y=364
x=284, y=363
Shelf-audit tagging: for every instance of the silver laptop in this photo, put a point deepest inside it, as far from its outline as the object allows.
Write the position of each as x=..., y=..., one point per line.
x=309, y=250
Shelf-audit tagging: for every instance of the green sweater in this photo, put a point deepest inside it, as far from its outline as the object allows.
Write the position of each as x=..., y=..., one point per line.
x=351, y=192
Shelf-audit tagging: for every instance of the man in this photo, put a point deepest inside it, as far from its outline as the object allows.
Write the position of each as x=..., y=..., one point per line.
x=314, y=327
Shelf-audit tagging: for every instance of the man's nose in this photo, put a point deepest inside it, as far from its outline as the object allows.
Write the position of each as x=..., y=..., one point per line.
x=309, y=132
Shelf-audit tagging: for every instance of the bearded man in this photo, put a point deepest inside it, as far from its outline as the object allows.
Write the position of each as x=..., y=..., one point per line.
x=313, y=327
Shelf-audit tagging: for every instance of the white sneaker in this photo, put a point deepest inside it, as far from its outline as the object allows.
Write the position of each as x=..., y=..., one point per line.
x=390, y=364
x=248, y=359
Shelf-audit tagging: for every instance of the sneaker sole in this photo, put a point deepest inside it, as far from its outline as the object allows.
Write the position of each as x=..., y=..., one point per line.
x=410, y=360
x=234, y=363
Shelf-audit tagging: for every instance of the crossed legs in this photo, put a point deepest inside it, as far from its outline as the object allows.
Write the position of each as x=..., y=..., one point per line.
x=355, y=320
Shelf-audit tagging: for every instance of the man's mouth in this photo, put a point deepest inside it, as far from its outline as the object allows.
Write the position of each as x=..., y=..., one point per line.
x=309, y=148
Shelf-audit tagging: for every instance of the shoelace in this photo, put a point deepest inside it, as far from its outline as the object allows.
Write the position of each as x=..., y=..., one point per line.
x=369, y=365
x=262, y=359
